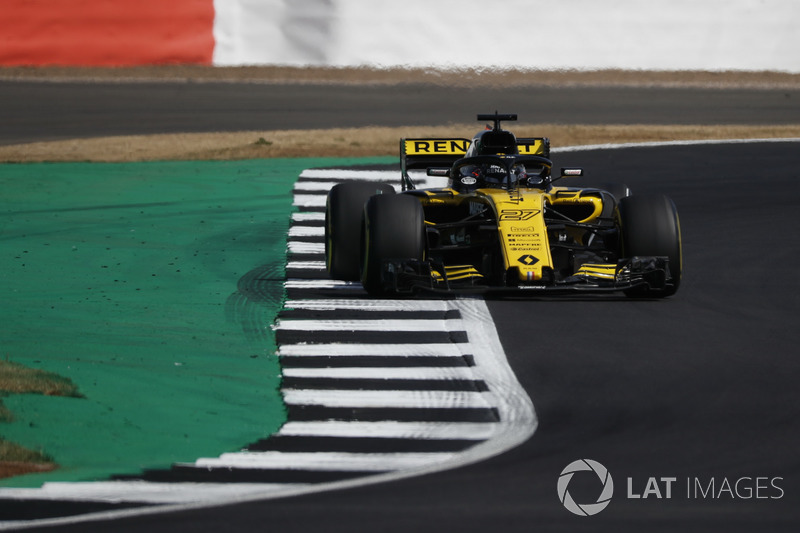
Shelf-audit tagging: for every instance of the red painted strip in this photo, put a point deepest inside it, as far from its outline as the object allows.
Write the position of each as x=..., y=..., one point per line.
x=106, y=32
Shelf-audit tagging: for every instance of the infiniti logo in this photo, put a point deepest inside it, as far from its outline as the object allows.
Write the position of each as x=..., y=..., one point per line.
x=585, y=509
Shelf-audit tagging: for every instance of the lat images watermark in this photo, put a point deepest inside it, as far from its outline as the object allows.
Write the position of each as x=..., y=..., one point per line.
x=664, y=488
x=585, y=509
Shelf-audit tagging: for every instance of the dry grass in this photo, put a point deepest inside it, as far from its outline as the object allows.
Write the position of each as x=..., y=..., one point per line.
x=351, y=142
x=483, y=77
x=17, y=379
x=14, y=453
x=16, y=460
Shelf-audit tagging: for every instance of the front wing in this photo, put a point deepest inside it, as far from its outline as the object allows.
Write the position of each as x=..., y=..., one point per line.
x=409, y=276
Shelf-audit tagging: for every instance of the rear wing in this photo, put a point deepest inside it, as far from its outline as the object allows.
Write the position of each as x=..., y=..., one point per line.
x=534, y=146
x=441, y=153
x=429, y=153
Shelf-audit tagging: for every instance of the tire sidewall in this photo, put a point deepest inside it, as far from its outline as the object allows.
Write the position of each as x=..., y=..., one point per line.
x=343, y=214
x=649, y=226
x=393, y=228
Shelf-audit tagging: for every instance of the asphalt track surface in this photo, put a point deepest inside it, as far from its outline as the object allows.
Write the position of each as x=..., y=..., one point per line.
x=41, y=111
x=700, y=386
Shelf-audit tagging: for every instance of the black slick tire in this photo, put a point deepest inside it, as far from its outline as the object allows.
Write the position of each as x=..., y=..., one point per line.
x=393, y=229
x=343, y=212
x=649, y=226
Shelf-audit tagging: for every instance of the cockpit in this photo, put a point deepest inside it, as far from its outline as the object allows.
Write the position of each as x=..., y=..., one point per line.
x=498, y=172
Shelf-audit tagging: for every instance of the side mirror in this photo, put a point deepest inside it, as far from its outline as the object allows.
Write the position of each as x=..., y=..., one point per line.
x=569, y=172
x=434, y=171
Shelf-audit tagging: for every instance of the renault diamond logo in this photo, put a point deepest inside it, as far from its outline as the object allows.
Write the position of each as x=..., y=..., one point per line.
x=528, y=260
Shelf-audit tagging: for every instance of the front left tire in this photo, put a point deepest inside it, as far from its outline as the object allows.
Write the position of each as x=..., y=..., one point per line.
x=393, y=230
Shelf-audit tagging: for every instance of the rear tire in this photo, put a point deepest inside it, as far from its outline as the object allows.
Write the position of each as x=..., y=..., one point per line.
x=649, y=226
x=393, y=229
x=343, y=212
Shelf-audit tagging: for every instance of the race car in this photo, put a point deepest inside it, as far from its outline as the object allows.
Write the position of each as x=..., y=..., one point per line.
x=500, y=225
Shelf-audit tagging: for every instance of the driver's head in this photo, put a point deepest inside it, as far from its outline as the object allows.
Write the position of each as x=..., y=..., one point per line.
x=518, y=173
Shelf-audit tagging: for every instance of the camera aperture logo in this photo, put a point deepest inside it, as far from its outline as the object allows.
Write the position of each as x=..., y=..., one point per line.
x=765, y=488
x=585, y=509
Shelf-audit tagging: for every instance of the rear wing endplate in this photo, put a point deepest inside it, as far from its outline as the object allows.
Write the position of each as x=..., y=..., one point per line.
x=427, y=153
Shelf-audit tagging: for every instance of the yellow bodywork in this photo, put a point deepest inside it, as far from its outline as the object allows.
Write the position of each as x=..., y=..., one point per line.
x=457, y=272
x=523, y=233
x=602, y=271
x=522, y=230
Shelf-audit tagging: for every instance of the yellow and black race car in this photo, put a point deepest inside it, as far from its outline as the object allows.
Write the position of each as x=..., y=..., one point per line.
x=500, y=225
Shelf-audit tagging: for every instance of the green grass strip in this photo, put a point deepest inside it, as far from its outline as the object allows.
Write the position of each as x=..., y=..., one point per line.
x=152, y=287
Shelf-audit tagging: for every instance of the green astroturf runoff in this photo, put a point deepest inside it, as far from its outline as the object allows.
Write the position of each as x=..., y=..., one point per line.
x=152, y=286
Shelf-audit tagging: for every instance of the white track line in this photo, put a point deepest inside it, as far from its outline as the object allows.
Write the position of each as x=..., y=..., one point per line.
x=309, y=200
x=422, y=399
x=369, y=305
x=438, y=373
x=306, y=231
x=326, y=461
x=146, y=491
x=660, y=144
x=360, y=175
x=307, y=217
x=306, y=265
x=322, y=284
x=325, y=186
x=295, y=247
x=385, y=350
x=420, y=178
x=391, y=429
x=370, y=325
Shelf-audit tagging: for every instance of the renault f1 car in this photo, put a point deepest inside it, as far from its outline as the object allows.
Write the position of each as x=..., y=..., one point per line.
x=502, y=224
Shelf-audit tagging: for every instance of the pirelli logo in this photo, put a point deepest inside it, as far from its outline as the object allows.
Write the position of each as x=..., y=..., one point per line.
x=436, y=146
